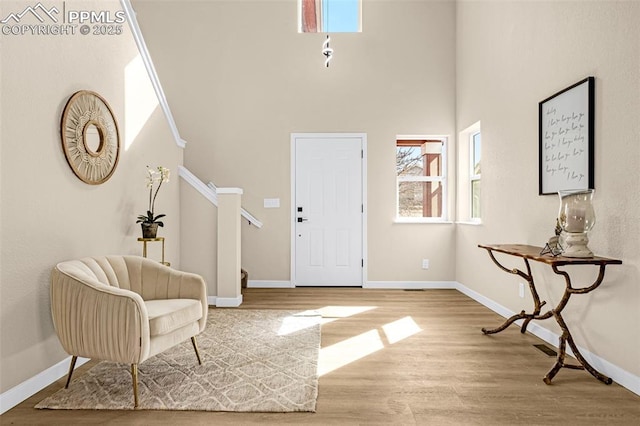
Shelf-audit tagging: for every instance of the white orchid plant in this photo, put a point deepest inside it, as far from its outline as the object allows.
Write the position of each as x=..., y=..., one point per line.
x=154, y=177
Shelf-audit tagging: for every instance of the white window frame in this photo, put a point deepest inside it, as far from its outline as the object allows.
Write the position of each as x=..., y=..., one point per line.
x=473, y=177
x=441, y=179
x=465, y=175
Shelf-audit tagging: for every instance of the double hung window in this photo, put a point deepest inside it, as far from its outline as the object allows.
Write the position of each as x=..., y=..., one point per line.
x=421, y=179
x=469, y=197
x=475, y=144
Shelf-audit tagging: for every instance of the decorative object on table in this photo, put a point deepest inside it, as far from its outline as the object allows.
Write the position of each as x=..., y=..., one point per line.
x=90, y=139
x=576, y=217
x=566, y=132
x=149, y=222
x=252, y=361
x=554, y=246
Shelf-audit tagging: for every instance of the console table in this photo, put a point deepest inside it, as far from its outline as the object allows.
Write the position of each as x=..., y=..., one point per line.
x=527, y=253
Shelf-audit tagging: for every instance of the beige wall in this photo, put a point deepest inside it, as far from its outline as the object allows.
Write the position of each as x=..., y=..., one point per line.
x=240, y=80
x=510, y=56
x=47, y=214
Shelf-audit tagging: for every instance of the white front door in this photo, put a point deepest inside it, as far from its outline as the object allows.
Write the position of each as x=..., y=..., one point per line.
x=328, y=209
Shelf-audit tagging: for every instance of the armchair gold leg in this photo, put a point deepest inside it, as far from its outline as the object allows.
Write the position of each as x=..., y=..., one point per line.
x=71, y=367
x=195, y=347
x=134, y=377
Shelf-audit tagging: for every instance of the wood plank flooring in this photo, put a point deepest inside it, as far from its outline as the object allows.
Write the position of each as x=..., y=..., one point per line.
x=410, y=357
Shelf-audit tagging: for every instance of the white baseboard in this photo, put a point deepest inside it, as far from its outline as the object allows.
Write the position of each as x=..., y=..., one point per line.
x=228, y=302
x=619, y=375
x=29, y=387
x=369, y=284
x=495, y=307
x=410, y=285
x=269, y=284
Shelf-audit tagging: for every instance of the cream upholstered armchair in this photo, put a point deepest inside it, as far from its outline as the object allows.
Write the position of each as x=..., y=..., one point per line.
x=125, y=309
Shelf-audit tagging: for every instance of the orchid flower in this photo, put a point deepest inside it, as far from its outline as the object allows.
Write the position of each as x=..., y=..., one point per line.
x=158, y=176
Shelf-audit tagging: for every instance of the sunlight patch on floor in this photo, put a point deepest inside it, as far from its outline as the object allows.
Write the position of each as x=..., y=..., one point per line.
x=298, y=322
x=350, y=350
x=400, y=329
x=334, y=313
x=323, y=316
x=355, y=348
x=343, y=311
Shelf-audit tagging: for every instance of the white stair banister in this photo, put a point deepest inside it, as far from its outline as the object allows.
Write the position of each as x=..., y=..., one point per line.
x=250, y=218
x=209, y=192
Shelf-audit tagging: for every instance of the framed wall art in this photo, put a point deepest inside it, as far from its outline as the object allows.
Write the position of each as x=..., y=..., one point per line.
x=566, y=153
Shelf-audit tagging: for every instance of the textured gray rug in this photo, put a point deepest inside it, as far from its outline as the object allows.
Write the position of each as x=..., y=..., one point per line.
x=253, y=360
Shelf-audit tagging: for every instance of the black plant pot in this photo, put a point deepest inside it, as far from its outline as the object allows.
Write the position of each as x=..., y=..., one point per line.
x=149, y=230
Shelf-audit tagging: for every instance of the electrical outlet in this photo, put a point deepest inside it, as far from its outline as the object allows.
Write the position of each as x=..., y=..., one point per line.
x=425, y=263
x=521, y=289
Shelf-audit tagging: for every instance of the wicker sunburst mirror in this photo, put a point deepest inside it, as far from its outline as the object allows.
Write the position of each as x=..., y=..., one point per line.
x=90, y=138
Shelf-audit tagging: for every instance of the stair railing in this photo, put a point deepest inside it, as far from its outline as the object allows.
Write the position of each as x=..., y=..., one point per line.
x=209, y=192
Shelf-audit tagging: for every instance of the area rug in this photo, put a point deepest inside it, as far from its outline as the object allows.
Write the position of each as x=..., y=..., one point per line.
x=252, y=361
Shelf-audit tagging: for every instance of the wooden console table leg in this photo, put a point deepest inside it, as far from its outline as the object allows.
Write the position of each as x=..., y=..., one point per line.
x=537, y=304
x=507, y=323
x=560, y=360
x=528, y=276
x=566, y=334
x=584, y=364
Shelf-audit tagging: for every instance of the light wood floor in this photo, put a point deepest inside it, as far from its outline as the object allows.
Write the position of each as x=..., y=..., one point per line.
x=446, y=372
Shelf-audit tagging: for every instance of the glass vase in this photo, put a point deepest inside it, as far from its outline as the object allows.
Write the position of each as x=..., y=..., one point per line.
x=576, y=217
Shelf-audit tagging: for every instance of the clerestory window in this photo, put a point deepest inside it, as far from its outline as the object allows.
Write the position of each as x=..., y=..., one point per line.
x=329, y=16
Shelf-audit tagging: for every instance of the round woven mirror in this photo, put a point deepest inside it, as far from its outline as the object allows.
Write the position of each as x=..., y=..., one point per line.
x=90, y=138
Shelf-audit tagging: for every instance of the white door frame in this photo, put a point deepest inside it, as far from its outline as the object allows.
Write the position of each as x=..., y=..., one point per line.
x=363, y=139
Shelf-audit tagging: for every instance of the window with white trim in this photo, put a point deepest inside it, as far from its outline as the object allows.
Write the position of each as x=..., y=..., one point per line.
x=421, y=184
x=468, y=182
x=475, y=145
x=329, y=16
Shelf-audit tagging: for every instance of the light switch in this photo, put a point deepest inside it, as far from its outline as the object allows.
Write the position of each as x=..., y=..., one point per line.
x=272, y=203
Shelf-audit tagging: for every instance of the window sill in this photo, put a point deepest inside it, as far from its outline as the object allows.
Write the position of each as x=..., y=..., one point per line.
x=469, y=222
x=414, y=220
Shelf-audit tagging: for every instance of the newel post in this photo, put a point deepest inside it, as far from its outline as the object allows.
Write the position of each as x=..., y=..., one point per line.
x=229, y=249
